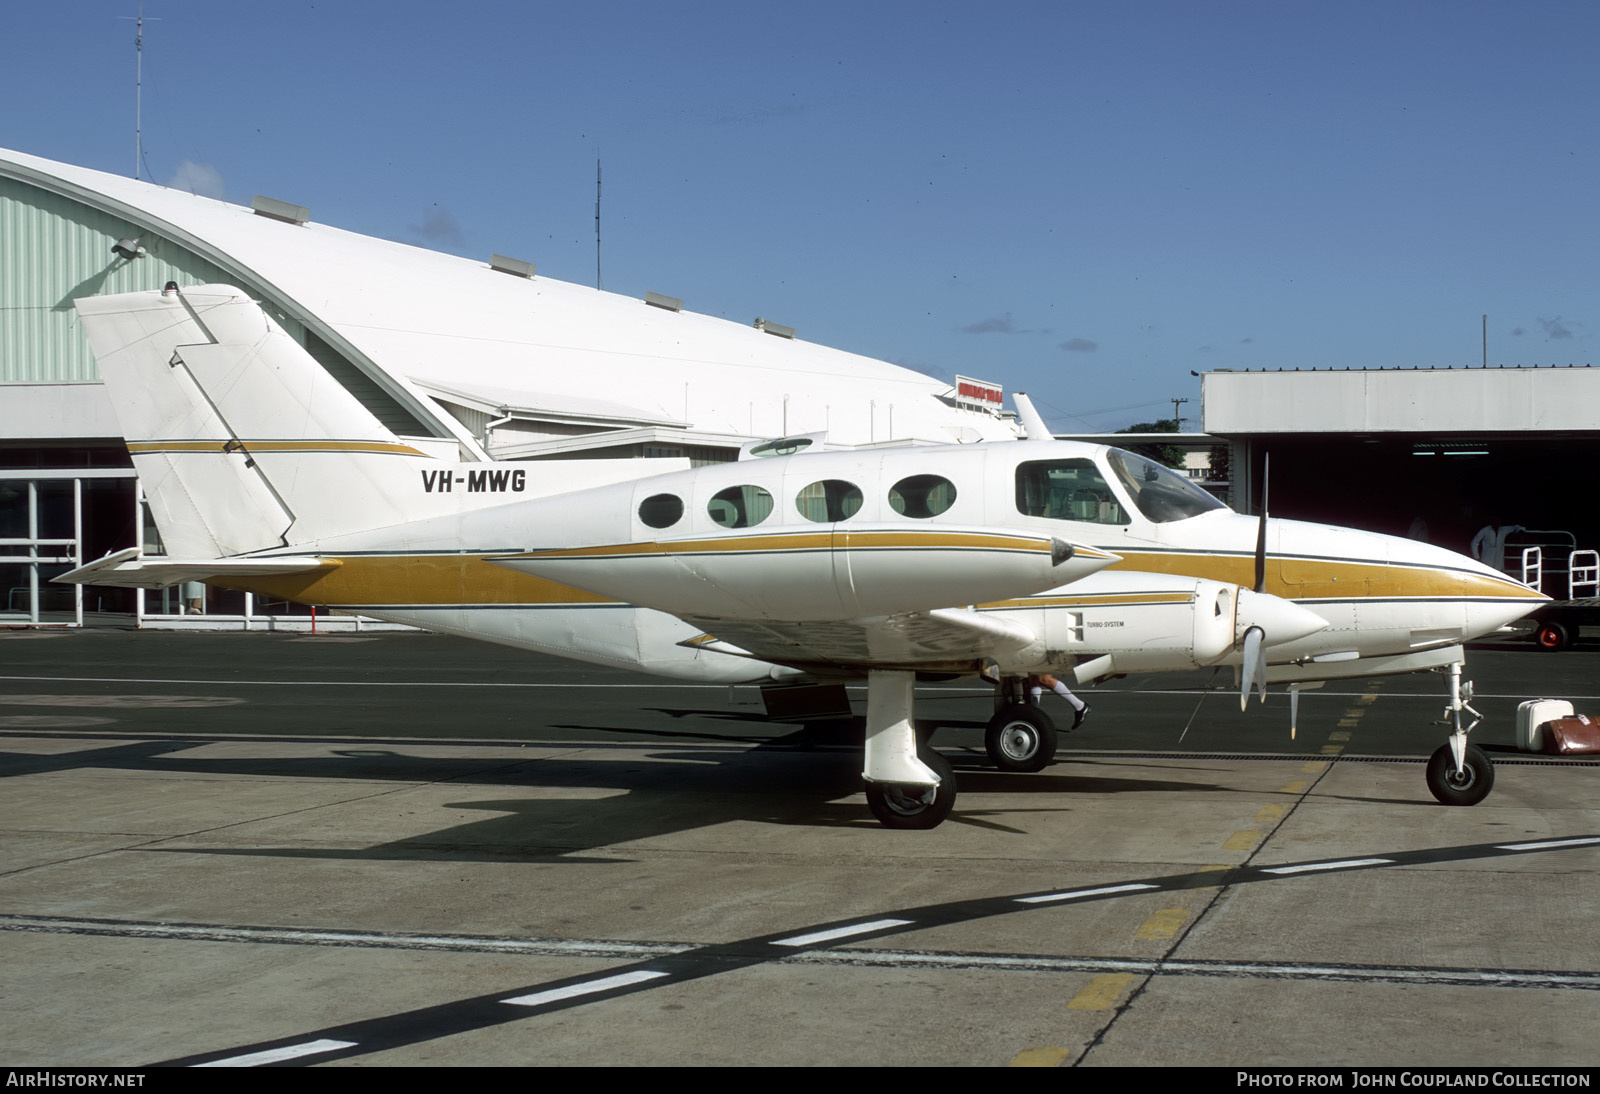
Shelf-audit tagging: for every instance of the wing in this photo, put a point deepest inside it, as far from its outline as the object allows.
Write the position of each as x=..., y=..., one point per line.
x=816, y=574
x=941, y=640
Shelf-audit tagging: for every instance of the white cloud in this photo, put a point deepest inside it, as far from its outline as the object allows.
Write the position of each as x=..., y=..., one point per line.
x=198, y=178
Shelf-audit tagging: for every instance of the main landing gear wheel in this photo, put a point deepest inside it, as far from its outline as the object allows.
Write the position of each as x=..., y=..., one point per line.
x=1021, y=737
x=1469, y=786
x=899, y=806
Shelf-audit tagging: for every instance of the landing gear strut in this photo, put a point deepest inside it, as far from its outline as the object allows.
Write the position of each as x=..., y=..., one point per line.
x=1459, y=773
x=909, y=785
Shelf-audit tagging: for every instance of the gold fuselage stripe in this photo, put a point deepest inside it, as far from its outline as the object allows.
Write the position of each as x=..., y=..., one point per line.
x=451, y=579
x=1326, y=578
x=444, y=580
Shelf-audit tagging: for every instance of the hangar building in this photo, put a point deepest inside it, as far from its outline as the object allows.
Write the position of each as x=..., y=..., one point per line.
x=1438, y=454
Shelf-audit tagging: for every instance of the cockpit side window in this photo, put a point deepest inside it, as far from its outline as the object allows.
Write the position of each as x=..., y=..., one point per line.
x=1067, y=490
x=1159, y=493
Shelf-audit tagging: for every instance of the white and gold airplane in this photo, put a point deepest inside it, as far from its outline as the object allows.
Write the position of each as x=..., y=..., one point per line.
x=1015, y=558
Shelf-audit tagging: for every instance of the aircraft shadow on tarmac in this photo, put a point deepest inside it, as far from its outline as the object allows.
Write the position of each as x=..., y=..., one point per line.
x=804, y=778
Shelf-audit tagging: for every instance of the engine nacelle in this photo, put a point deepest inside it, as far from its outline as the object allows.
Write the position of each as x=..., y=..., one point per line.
x=1144, y=625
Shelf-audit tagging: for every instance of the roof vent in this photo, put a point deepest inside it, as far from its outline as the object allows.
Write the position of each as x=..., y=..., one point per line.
x=669, y=303
x=774, y=328
x=280, y=210
x=513, y=266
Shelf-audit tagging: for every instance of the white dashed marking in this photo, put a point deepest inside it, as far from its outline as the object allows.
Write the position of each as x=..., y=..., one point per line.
x=842, y=932
x=274, y=1055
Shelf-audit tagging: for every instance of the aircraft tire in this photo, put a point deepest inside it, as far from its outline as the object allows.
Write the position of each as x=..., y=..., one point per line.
x=1470, y=787
x=909, y=807
x=1552, y=636
x=1021, y=737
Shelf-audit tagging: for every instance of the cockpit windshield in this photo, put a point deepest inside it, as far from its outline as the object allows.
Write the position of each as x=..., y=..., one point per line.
x=1158, y=492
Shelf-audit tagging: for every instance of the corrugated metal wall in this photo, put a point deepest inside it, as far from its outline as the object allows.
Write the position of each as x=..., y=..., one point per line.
x=54, y=250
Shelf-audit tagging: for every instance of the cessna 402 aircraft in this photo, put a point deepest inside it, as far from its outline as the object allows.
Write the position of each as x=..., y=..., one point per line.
x=1017, y=557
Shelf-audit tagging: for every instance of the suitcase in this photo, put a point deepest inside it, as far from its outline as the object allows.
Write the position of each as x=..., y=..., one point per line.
x=1572, y=736
x=1531, y=717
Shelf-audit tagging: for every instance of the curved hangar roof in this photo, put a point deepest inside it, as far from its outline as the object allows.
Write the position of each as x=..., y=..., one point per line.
x=560, y=360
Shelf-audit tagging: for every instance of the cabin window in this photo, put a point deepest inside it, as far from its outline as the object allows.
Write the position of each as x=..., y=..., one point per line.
x=1067, y=490
x=1158, y=492
x=922, y=496
x=829, y=500
x=740, y=506
x=661, y=510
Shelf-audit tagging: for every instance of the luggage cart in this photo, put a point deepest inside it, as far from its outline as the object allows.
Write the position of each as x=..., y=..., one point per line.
x=1556, y=625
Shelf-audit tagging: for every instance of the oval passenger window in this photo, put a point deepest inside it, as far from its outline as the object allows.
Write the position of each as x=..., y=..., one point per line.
x=661, y=510
x=829, y=500
x=740, y=506
x=922, y=496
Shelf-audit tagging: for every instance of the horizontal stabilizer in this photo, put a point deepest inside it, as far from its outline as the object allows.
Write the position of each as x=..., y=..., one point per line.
x=126, y=570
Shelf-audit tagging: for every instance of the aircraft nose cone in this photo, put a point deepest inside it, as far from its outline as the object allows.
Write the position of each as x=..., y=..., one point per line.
x=1280, y=620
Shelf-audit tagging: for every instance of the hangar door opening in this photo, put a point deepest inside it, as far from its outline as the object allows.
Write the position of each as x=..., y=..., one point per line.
x=1538, y=490
x=50, y=522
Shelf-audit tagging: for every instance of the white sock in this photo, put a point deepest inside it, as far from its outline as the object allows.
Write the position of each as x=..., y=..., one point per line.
x=1066, y=693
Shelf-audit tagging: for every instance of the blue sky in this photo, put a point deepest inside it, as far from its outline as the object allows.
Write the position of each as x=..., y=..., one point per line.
x=1083, y=201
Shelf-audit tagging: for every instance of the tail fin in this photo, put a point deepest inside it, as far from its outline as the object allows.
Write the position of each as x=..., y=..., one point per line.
x=242, y=440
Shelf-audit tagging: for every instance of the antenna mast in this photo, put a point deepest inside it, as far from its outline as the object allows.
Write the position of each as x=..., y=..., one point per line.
x=597, y=222
x=138, y=84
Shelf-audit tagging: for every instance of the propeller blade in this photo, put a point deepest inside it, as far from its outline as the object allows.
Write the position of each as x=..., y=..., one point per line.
x=1261, y=531
x=1294, y=709
x=1254, y=670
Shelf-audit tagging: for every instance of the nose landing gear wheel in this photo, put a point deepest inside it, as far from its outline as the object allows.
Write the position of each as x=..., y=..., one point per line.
x=899, y=806
x=1469, y=786
x=1021, y=737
